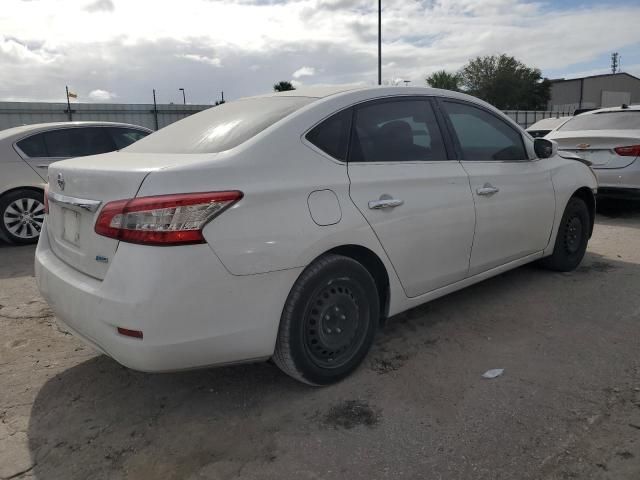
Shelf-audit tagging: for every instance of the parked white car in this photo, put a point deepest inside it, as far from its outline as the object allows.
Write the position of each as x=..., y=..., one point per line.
x=543, y=127
x=288, y=226
x=25, y=155
x=610, y=139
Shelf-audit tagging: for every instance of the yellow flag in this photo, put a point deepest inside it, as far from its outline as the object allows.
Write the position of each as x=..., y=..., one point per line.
x=73, y=95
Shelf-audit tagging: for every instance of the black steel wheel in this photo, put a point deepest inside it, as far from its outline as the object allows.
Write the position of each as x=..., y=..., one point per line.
x=22, y=216
x=329, y=321
x=572, y=238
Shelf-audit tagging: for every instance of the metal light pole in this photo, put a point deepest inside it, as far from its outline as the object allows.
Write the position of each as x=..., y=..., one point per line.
x=379, y=42
x=68, y=104
x=184, y=97
x=155, y=109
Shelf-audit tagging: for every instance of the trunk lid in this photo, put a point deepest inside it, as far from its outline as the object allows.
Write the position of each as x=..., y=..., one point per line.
x=597, y=146
x=78, y=189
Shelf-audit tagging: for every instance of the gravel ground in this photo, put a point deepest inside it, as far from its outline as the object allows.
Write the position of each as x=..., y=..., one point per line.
x=567, y=405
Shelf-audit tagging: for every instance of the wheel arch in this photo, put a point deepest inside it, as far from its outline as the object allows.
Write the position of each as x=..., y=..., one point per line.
x=374, y=265
x=27, y=187
x=589, y=198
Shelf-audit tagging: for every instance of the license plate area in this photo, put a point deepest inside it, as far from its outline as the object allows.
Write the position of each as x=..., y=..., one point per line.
x=71, y=226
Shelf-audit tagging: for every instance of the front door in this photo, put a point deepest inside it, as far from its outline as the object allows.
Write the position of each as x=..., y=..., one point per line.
x=416, y=200
x=513, y=195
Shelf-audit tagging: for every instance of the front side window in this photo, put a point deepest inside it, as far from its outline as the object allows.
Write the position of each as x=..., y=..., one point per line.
x=616, y=120
x=332, y=135
x=483, y=136
x=396, y=131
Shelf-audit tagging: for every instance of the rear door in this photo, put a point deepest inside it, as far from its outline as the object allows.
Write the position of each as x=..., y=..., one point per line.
x=514, y=196
x=416, y=200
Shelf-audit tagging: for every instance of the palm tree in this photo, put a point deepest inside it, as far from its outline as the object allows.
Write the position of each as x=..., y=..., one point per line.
x=445, y=80
x=283, y=86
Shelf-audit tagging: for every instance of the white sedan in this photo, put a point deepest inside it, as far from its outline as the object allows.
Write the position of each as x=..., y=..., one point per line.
x=609, y=139
x=289, y=226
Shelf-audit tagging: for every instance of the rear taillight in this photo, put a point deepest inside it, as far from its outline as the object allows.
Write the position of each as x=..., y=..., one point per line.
x=630, y=151
x=163, y=220
x=46, y=198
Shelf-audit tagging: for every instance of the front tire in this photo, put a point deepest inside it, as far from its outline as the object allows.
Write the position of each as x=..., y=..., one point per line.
x=329, y=321
x=572, y=238
x=22, y=216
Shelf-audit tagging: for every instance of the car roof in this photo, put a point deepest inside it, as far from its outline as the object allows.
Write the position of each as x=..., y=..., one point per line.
x=546, y=123
x=320, y=92
x=627, y=108
x=43, y=127
x=363, y=92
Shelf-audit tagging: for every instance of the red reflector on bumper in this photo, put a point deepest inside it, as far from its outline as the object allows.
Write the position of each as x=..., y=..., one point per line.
x=130, y=333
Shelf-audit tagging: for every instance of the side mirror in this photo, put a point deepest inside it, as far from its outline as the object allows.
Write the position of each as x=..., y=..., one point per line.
x=545, y=148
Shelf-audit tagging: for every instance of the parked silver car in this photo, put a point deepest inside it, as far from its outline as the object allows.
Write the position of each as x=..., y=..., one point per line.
x=609, y=138
x=25, y=155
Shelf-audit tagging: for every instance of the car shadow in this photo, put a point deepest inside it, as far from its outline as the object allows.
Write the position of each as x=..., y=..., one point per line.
x=16, y=261
x=618, y=212
x=98, y=419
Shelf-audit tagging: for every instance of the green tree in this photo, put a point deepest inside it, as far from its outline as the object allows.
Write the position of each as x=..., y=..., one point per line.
x=506, y=83
x=445, y=80
x=283, y=86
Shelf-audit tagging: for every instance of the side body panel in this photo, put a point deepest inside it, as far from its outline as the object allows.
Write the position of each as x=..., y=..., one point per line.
x=428, y=238
x=515, y=221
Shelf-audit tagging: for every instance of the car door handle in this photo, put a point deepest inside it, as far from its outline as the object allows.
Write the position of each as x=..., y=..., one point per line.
x=43, y=166
x=487, y=189
x=385, y=203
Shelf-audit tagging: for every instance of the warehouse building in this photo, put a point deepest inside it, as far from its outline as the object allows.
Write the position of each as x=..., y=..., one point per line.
x=596, y=91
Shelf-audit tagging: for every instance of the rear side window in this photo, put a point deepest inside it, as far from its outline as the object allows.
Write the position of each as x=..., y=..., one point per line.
x=617, y=120
x=220, y=128
x=483, y=136
x=123, y=137
x=33, y=146
x=332, y=135
x=396, y=131
x=78, y=142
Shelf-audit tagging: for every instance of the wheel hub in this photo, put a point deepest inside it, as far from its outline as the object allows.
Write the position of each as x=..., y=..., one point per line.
x=573, y=235
x=23, y=218
x=333, y=326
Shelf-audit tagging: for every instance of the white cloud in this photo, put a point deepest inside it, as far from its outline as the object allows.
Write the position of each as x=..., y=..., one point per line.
x=100, y=95
x=100, y=6
x=202, y=59
x=304, y=72
x=146, y=44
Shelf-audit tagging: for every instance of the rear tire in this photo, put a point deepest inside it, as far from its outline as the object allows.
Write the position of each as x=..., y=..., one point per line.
x=572, y=238
x=22, y=216
x=329, y=321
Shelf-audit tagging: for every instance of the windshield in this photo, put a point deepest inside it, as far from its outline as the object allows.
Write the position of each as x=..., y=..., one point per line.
x=220, y=128
x=617, y=120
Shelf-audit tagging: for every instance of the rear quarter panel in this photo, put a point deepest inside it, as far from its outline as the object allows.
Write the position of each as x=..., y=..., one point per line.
x=271, y=228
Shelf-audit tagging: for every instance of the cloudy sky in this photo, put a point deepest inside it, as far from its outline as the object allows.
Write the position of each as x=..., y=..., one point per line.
x=119, y=50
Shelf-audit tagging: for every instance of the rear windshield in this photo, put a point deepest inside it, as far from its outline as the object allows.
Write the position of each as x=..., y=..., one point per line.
x=618, y=120
x=220, y=128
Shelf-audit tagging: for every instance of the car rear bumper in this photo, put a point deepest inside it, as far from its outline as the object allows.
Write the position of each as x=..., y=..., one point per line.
x=192, y=312
x=618, y=179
